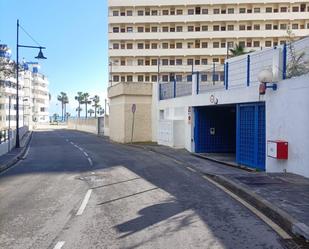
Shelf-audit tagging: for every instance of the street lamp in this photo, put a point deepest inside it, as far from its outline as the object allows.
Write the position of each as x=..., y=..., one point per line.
x=39, y=56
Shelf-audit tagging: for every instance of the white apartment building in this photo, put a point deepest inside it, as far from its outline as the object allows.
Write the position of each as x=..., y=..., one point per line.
x=33, y=96
x=152, y=41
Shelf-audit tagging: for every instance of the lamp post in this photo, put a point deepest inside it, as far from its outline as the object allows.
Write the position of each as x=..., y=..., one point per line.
x=40, y=56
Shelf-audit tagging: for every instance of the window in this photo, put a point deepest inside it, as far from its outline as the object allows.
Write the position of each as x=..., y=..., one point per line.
x=197, y=10
x=129, y=29
x=140, y=45
x=257, y=10
x=189, y=61
x=230, y=27
x=140, y=12
x=165, y=12
x=307, y=25
x=223, y=11
x=147, y=12
x=249, y=11
x=178, y=45
x=256, y=44
x=172, y=62
x=116, y=78
x=154, y=62
x=147, y=78
x=165, y=78
x=223, y=44
x=275, y=27
x=123, y=62
x=122, y=13
x=249, y=27
x=197, y=29
x=122, y=30
x=179, y=29
x=172, y=29
x=140, y=62
x=242, y=27
x=172, y=45
x=283, y=26
x=268, y=43
x=116, y=30
x=256, y=27
x=178, y=61
x=140, y=29
x=215, y=60
x=216, y=45
x=204, y=28
x=216, y=28
x=154, y=78
x=116, y=46
x=190, y=28
x=129, y=46
x=197, y=62
x=115, y=13
x=295, y=26
x=122, y=78
x=223, y=28
x=205, y=11
x=204, y=44
x=268, y=26
x=154, y=45
x=242, y=10
x=179, y=78
x=179, y=12
x=189, y=77
x=165, y=29
x=249, y=44
x=164, y=62
x=147, y=29
x=230, y=11
x=190, y=45
x=154, y=12
x=165, y=45
x=216, y=11
x=154, y=29
x=269, y=10
x=204, y=77
x=295, y=9
x=283, y=9
x=204, y=61
x=242, y=44
x=230, y=44
x=190, y=11
x=215, y=77
x=140, y=78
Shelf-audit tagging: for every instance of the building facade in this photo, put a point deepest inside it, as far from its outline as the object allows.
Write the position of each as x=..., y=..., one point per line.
x=33, y=95
x=166, y=41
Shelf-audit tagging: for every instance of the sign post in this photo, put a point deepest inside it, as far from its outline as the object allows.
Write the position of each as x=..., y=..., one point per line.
x=133, y=109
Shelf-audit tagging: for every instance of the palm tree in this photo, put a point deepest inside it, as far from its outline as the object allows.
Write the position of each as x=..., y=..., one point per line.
x=63, y=98
x=238, y=50
x=86, y=101
x=65, y=102
x=79, y=98
x=100, y=110
x=55, y=117
x=90, y=111
x=96, y=100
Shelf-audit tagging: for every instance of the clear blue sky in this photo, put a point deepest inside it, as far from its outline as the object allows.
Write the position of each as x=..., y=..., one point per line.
x=75, y=34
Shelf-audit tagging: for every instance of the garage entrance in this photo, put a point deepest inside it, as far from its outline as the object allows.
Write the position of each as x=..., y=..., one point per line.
x=231, y=133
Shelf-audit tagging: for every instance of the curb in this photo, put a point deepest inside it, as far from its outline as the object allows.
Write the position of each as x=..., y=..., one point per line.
x=286, y=221
x=17, y=157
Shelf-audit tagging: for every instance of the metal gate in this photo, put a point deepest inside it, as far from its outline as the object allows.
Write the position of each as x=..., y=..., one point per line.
x=250, y=139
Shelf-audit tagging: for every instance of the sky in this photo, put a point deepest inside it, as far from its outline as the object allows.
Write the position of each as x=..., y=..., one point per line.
x=74, y=33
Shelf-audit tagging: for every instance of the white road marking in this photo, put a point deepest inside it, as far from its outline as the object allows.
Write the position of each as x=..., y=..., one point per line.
x=27, y=152
x=72, y=143
x=81, y=149
x=59, y=245
x=90, y=161
x=84, y=203
x=268, y=221
x=85, y=153
x=191, y=169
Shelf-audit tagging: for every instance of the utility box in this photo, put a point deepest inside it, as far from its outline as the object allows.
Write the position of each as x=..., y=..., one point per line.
x=277, y=149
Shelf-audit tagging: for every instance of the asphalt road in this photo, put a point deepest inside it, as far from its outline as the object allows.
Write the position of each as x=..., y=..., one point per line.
x=76, y=190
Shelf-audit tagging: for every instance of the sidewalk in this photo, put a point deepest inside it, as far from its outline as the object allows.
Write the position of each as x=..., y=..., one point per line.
x=283, y=197
x=9, y=159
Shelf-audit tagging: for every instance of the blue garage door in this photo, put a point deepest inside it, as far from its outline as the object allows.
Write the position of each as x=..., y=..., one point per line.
x=250, y=142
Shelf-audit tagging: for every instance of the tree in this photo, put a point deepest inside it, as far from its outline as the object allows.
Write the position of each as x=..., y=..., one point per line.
x=55, y=117
x=86, y=101
x=96, y=100
x=90, y=111
x=100, y=110
x=238, y=50
x=63, y=98
x=79, y=98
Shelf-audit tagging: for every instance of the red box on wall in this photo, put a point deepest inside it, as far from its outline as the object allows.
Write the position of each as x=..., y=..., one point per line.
x=278, y=149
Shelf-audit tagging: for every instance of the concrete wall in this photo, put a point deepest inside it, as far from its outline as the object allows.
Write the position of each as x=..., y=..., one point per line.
x=88, y=125
x=4, y=147
x=122, y=97
x=287, y=118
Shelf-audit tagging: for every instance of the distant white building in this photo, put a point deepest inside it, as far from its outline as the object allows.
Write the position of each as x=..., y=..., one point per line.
x=33, y=95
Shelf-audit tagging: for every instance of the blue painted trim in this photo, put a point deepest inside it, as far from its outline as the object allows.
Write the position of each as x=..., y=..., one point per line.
x=227, y=76
x=248, y=70
x=284, y=66
x=160, y=91
x=196, y=122
x=197, y=82
x=256, y=134
x=174, y=88
x=224, y=74
x=237, y=132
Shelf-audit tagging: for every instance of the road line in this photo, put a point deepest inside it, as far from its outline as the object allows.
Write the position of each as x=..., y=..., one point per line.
x=90, y=161
x=72, y=143
x=268, y=221
x=85, y=153
x=67, y=140
x=191, y=169
x=84, y=203
x=59, y=245
x=27, y=152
